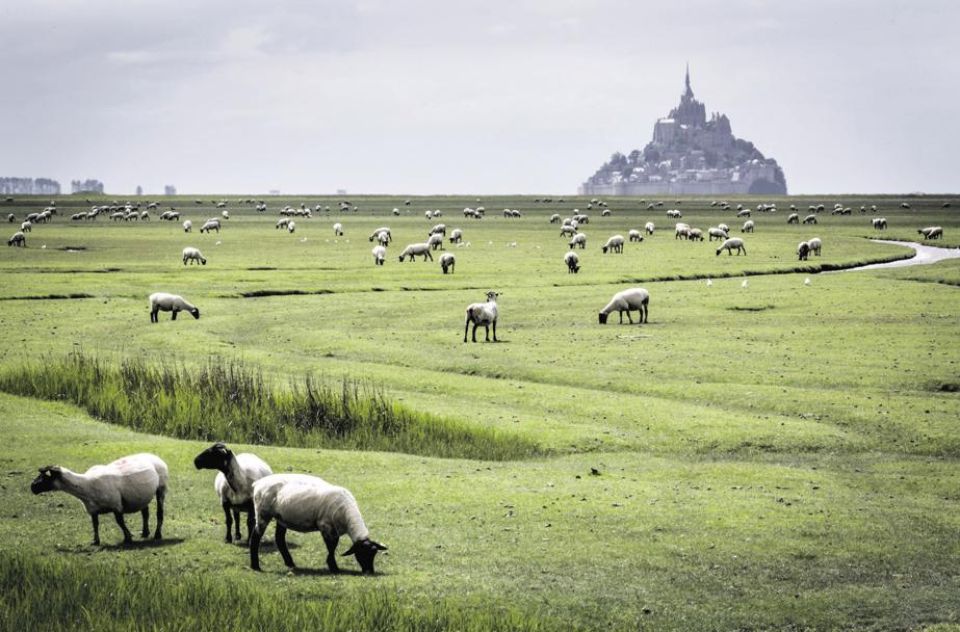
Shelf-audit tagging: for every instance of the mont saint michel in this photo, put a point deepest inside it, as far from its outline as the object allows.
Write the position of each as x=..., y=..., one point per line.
x=689, y=155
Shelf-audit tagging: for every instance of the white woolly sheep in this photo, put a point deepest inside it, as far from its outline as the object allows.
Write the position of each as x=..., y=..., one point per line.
x=748, y=226
x=125, y=486
x=291, y=226
x=307, y=503
x=810, y=219
x=744, y=213
x=606, y=213
x=338, y=229
x=580, y=239
x=383, y=238
x=724, y=228
x=456, y=236
x=436, y=241
x=210, y=224
x=572, y=261
x=793, y=218
x=193, y=255
x=614, y=244
x=567, y=230
x=282, y=222
x=626, y=301
x=413, y=250
x=675, y=214
x=26, y=227
x=447, y=262
x=18, y=239
x=236, y=474
x=815, y=245
x=681, y=229
x=932, y=232
x=379, y=254
x=161, y=301
x=634, y=235
x=225, y=214
x=11, y=218
x=482, y=314
x=734, y=243
x=376, y=235
x=187, y=226
x=879, y=223
x=439, y=229
x=695, y=234
x=649, y=227
x=803, y=250
x=717, y=233
x=555, y=218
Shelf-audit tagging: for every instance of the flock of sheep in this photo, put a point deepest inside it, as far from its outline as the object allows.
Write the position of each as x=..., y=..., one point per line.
x=244, y=483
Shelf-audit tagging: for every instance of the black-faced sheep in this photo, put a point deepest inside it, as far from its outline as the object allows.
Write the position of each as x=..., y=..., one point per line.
x=614, y=244
x=413, y=250
x=748, y=226
x=931, y=232
x=482, y=314
x=210, y=224
x=803, y=250
x=572, y=261
x=815, y=245
x=236, y=474
x=634, y=235
x=447, y=262
x=734, y=243
x=161, y=301
x=379, y=254
x=193, y=255
x=633, y=299
x=18, y=239
x=580, y=239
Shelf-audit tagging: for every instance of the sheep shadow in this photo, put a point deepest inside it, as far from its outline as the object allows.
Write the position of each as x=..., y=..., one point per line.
x=325, y=572
x=269, y=546
x=136, y=545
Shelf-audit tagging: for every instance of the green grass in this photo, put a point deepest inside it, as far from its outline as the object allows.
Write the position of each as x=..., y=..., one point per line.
x=770, y=457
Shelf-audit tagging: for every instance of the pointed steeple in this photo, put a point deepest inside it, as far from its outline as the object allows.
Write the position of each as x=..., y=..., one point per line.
x=688, y=92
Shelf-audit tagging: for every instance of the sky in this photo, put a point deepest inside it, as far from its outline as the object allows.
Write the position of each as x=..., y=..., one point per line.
x=444, y=96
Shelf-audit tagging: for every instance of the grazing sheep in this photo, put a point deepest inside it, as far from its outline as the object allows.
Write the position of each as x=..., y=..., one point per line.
x=606, y=213
x=681, y=230
x=648, y=227
x=456, y=236
x=567, y=230
x=439, y=229
x=793, y=218
x=717, y=233
x=376, y=234
x=572, y=261
x=11, y=218
x=18, y=239
x=724, y=228
x=734, y=243
x=614, y=244
x=803, y=250
x=744, y=213
x=634, y=235
x=225, y=214
x=193, y=255
x=307, y=503
x=282, y=222
x=580, y=239
x=932, y=232
x=379, y=254
x=482, y=314
x=413, y=250
x=210, y=224
x=879, y=223
x=383, y=238
x=815, y=245
x=633, y=299
x=436, y=241
x=291, y=226
x=555, y=218
x=125, y=486
x=810, y=219
x=236, y=474
x=675, y=214
x=748, y=226
x=26, y=227
x=161, y=301
x=338, y=229
x=447, y=262
x=695, y=234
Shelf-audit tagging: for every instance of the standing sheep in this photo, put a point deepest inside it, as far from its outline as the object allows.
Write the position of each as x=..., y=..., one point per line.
x=879, y=223
x=803, y=250
x=572, y=261
x=291, y=226
x=931, y=232
x=633, y=299
x=379, y=255
x=376, y=234
x=716, y=233
x=456, y=236
x=447, y=262
x=125, y=486
x=734, y=243
x=193, y=255
x=307, y=503
x=161, y=301
x=793, y=218
x=236, y=474
x=413, y=250
x=815, y=245
x=436, y=241
x=482, y=314
x=649, y=228
x=187, y=226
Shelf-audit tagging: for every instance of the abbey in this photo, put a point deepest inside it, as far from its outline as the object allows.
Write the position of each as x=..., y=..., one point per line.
x=689, y=155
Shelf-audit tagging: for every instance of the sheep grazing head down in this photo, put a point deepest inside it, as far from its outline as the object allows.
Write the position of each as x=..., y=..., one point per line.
x=365, y=551
x=603, y=318
x=216, y=457
x=46, y=482
x=194, y=312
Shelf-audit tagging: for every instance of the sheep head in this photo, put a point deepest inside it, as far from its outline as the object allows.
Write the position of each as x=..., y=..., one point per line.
x=365, y=550
x=47, y=480
x=195, y=312
x=603, y=318
x=216, y=457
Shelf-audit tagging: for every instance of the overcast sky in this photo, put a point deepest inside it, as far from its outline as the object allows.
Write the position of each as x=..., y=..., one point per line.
x=440, y=96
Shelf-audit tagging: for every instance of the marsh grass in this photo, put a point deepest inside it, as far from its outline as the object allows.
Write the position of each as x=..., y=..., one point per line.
x=231, y=401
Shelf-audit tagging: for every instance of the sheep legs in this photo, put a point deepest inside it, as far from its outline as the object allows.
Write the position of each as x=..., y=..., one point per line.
x=145, y=513
x=127, y=536
x=96, y=529
x=153, y=316
x=331, y=542
x=281, y=538
x=161, y=492
x=232, y=517
x=255, y=537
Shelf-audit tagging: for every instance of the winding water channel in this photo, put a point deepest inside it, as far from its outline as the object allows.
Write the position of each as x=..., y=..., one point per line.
x=923, y=255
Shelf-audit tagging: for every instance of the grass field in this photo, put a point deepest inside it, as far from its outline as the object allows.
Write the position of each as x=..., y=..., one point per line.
x=779, y=455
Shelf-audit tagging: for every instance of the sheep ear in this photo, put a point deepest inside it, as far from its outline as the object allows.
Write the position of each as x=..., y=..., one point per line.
x=379, y=546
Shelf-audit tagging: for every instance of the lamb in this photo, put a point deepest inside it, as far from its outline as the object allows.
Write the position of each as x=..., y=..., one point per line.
x=803, y=250
x=193, y=255
x=649, y=227
x=734, y=243
x=614, y=244
x=125, y=486
x=717, y=233
x=931, y=232
x=210, y=224
x=187, y=226
x=379, y=254
x=161, y=301
x=634, y=235
x=234, y=482
x=456, y=236
x=626, y=301
x=580, y=239
x=482, y=314
x=447, y=262
x=793, y=218
x=572, y=261
x=436, y=241
x=413, y=250
x=338, y=229
x=815, y=245
x=810, y=219
x=18, y=239
x=748, y=226
x=291, y=226
x=879, y=223
x=307, y=503
x=376, y=234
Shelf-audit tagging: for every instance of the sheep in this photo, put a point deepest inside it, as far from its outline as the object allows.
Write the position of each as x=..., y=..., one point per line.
x=649, y=228
x=634, y=235
x=724, y=228
x=606, y=213
x=580, y=239
x=633, y=299
x=695, y=234
x=681, y=230
x=572, y=261
x=11, y=218
x=734, y=243
x=439, y=229
x=338, y=230
x=125, y=486
x=675, y=214
x=379, y=254
x=187, y=226
x=793, y=218
x=18, y=239
x=555, y=218
x=291, y=226
x=307, y=503
x=161, y=301
x=436, y=241
x=744, y=213
x=193, y=255
x=810, y=219
x=26, y=227
x=932, y=232
x=815, y=245
x=803, y=250
x=282, y=222
x=482, y=314
x=748, y=226
x=236, y=474
x=456, y=236
x=225, y=214
x=210, y=224
x=413, y=250
x=614, y=244
x=376, y=235
x=383, y=238
x=879, y=223
x=447, y=262
x=567, y=230
x=717, y=233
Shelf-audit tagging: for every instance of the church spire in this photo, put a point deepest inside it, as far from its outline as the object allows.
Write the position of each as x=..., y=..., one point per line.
x=689, y=91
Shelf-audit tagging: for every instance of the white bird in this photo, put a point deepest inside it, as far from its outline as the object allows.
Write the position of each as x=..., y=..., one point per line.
x=744, y=284
x=218, y=243
x=709, y=282
x=303, y=240
x=806, y=281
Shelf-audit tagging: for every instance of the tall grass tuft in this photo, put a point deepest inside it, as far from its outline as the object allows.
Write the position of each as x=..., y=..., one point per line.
x=54, y=594
x=230, y=401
